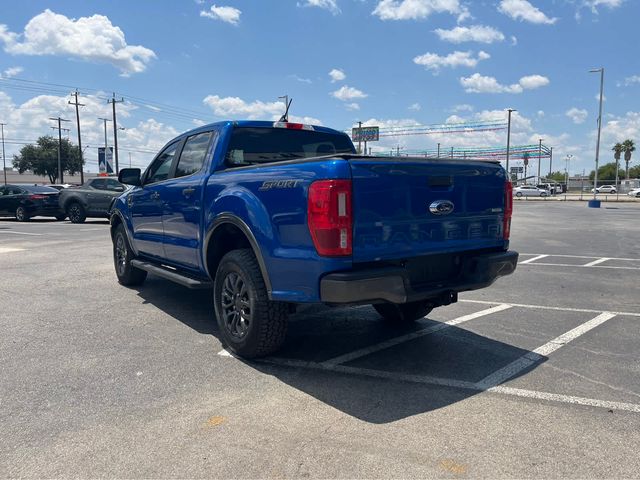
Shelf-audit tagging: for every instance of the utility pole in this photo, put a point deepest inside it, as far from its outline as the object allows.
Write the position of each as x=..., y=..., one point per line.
x=550, y=160
x=113, y=102
x=438, y=150
x=539, y=158
x=4, y=163
x=509, y=139
x=60, y=177
x=360, y=137
x=595, y=180
x=451, y=152
x=75, y=94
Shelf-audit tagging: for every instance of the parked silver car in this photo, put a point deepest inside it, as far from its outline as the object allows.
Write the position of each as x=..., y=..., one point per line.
x=605, y=189
x=530, y=191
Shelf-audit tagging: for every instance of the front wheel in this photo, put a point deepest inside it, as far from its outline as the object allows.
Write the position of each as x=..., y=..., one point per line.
x=76, y=213
x=403, y=313
x=127, y=274
x=518, y=194
x=250, y=324
x=22, y=215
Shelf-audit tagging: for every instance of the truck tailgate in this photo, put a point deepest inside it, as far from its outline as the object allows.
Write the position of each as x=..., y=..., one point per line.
x=401, y=207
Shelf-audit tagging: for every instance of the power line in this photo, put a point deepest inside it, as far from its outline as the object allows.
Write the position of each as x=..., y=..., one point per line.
x=59, y=128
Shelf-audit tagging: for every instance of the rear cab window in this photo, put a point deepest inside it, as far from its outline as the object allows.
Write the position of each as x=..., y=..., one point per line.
x=259, y=145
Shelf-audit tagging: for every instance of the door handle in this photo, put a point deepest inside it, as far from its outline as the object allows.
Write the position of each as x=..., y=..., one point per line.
x=187, y=192
x=155, y=196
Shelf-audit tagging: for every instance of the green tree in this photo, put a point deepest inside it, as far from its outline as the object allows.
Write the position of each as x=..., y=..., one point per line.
x=42, y=158
x=606, y=173
x=557, y=177
x=628, y=147
x=634, y=172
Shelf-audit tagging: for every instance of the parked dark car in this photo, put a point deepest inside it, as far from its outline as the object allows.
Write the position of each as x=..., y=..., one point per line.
x=26, y=201
x=92, y=199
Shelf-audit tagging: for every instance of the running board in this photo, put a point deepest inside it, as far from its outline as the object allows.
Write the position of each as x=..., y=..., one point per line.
x=173, y=275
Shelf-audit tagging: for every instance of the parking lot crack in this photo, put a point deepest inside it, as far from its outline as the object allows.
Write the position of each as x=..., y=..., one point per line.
x=594, y=381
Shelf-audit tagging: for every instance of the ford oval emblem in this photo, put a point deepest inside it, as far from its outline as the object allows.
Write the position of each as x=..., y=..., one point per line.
x=441, y=207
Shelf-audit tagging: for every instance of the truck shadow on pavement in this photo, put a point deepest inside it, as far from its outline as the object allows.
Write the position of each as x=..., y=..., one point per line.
x=380, y=387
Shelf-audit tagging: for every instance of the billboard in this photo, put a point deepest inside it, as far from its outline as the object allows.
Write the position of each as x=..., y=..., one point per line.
x=365, y=134
x=105, y=162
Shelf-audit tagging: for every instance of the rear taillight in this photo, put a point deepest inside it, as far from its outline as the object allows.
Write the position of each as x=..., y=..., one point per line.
x=37, y=197
x=330, y=218
x=508, y=210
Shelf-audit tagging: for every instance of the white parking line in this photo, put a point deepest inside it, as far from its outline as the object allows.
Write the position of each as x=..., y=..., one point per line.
x=596, y=262
x=535, y=356
x=558, y=309
x=10, y=249
x=582, y=266
x=449, y=382
x=21, y=233
x=411, y=336
x=582, y=256
x=533, y=259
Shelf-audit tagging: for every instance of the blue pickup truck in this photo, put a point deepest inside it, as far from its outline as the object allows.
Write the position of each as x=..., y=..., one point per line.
x=273, y=215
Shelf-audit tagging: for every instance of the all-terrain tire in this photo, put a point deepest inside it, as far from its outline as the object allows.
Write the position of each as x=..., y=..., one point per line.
x=127, y=274
x=76, y=212
x=403, y=313
x=250, y=324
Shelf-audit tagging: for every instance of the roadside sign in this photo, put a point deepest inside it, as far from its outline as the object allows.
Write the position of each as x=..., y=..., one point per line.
x=105, y=162
x=513, y=170
x=365, y=134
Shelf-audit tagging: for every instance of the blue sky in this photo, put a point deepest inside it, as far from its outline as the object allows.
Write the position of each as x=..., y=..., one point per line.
x=394, y=63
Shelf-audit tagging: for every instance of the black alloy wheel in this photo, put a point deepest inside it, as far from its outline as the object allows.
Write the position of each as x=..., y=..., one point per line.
x=21, y=214
x=122, y=255
x=76, y=213
x=236, y=305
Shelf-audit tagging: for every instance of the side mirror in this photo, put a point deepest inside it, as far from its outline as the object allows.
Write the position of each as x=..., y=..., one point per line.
x=130, y=176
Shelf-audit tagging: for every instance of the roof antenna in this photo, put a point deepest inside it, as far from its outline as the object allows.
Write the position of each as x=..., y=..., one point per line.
x=285, y=117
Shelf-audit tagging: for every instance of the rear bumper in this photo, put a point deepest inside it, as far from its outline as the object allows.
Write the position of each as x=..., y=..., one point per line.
x=392, y=284
x=44, y=210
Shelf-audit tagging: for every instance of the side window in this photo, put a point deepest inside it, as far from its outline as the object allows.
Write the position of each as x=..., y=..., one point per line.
x=16, y=191
x=161, y=167
x=98, y=184
x=114, y=185
x=193, y=154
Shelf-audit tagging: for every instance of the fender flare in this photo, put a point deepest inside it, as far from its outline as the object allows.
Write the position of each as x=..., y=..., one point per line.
x=229, y=218
x=118, y=213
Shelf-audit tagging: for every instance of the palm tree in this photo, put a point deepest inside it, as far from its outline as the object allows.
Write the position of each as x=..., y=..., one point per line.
x=618, y=148
x=628, y=147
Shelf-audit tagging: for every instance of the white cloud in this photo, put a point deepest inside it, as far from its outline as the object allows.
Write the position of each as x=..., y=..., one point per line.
x=523, y=10
x=12, y=72
x=465, y=107
x=594, y=4
x=346, y=93
x=541, y=113
x=619, y=129
x=433, y=61
x=230, y=107
x=531, y=82
x=632, y=80
x=477, y=83
x=514, y=40
x=577, y=115
x=352, y=106
x=330, y=5
x=418, y=9
x=416, y=107
x=473, y=33
x=93, y=39
x=337, y=75
x=235, y=107
x=300, y=79
x=226, y=14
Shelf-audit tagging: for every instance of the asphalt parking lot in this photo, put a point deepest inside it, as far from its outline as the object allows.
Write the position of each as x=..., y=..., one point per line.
x=536, y=376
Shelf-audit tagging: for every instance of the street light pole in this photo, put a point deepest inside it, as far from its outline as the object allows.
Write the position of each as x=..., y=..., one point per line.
x=4, y=162
x=509, y=140
x=595, y=179
x=539, y=158
x=566, y=172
